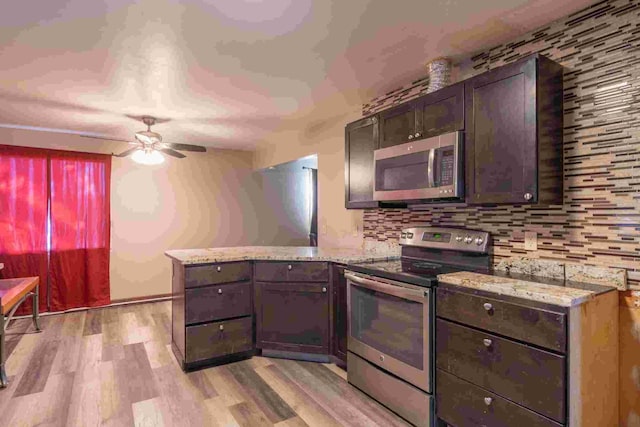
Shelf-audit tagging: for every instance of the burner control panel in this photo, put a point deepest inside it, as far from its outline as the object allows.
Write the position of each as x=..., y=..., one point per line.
x=458, y=239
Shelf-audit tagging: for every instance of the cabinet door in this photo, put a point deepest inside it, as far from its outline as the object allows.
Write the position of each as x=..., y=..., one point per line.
x=398, y=125
x=442, y=111
x=339, y=313
x=292, y=317
x=361, y=139
x=501, y=137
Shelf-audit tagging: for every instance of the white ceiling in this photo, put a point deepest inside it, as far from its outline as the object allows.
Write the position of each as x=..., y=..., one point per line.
x=226, y=73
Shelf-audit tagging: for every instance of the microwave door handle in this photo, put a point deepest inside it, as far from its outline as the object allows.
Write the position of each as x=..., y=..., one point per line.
x=430, y=168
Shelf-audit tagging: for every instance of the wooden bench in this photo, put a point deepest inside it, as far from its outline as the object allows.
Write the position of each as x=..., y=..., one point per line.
x=13, y=292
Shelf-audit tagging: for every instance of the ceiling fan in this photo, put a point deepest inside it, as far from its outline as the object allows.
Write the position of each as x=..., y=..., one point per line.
x=148, y=145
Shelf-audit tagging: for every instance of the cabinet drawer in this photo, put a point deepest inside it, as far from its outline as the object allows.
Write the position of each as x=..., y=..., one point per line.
x=212, y=274
x=532, y=325
x=461, y=403
x=218, y=339
x=528, y=376
x=295, y=271
x=218, y=302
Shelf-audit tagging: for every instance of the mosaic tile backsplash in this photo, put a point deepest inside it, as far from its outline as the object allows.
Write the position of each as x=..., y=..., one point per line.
x=599, y=222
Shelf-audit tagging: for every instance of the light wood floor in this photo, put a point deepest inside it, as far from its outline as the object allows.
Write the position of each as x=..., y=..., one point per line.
x=114, y=367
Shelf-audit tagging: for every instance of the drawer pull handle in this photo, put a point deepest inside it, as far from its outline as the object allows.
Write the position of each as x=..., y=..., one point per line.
x=488, y=401
x=324, y=289
x=220, y=291
x=219, y=269
x=289, y=267
x=381, y=358
x=222, y=327
x=487, y=306
x=487, y=342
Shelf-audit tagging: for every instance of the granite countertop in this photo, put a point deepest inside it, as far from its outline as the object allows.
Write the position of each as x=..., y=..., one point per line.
x=564, y=293
x=277, y=253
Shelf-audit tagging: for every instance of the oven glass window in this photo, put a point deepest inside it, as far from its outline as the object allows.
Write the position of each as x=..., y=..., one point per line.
x=391, y=325
x=408, y=172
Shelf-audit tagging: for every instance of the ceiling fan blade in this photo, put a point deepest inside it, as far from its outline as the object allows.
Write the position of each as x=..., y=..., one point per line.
x=127, y=152
x=172, y=153
x=185, y=147
x=106, y=139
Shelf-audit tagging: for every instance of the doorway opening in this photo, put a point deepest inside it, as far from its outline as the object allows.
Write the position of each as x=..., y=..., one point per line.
x=290, y=191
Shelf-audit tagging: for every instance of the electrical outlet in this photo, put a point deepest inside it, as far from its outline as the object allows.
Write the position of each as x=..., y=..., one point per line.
x=530, y=241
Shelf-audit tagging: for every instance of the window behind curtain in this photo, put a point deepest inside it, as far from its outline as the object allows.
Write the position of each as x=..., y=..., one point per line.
x=79, y=230
x=76, y=187
x=23, y=216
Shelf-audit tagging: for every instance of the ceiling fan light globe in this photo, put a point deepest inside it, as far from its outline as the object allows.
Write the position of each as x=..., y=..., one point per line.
x=147, y=157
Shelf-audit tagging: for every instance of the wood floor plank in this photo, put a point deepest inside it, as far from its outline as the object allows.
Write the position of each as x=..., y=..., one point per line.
x=269, y=402
x=182, y=401
x=148, y=413
x=93, y=322
x=218, y=413
x=303, y=404
x=292, y=422
x=36, y=373
x=247, y=414
x=134, y=375
x=202, y=383
x=225, y=384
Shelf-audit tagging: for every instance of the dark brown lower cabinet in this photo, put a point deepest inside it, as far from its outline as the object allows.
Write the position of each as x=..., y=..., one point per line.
x=463, y=404
x=292, y=317
x=505, y=361
x=212, y=313
x=339, y=315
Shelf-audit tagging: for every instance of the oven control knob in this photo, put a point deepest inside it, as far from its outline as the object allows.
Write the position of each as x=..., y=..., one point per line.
x=468, y=239
x=458, y=238
x=479, y=241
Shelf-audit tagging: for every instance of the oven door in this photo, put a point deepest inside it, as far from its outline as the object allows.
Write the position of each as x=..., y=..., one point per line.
x=390, y=326
x=427, y=169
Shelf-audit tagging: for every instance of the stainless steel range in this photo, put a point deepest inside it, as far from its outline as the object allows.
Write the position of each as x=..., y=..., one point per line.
x=391, y=316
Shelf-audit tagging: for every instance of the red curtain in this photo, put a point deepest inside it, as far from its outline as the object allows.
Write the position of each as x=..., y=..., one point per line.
x=23, y=216
x=80, y=226
x=78, y=193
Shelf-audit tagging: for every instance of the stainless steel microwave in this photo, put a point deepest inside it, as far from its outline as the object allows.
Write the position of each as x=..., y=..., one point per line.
x=427, y=170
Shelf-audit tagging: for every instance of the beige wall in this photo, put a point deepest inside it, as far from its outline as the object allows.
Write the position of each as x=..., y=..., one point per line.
x=203, y=200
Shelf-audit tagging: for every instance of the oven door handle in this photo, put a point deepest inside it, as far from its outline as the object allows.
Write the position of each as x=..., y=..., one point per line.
x=399, y=291
x=430, y=168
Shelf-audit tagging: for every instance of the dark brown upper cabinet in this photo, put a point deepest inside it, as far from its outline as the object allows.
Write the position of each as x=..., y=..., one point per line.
x=400, y=124
x=430, y=115
x=361, y=139
x=514, y=134
x=441, y=111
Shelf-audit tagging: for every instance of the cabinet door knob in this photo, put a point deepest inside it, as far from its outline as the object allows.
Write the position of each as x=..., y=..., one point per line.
x=219, y=269
x=488, y=401
x=528, y=196
x=417, y=135
x=220, y=291
x=222, y=327
x=324, y=289
x=487, y=342
x=289, y=267
x=487, y=306
x=410, y=136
